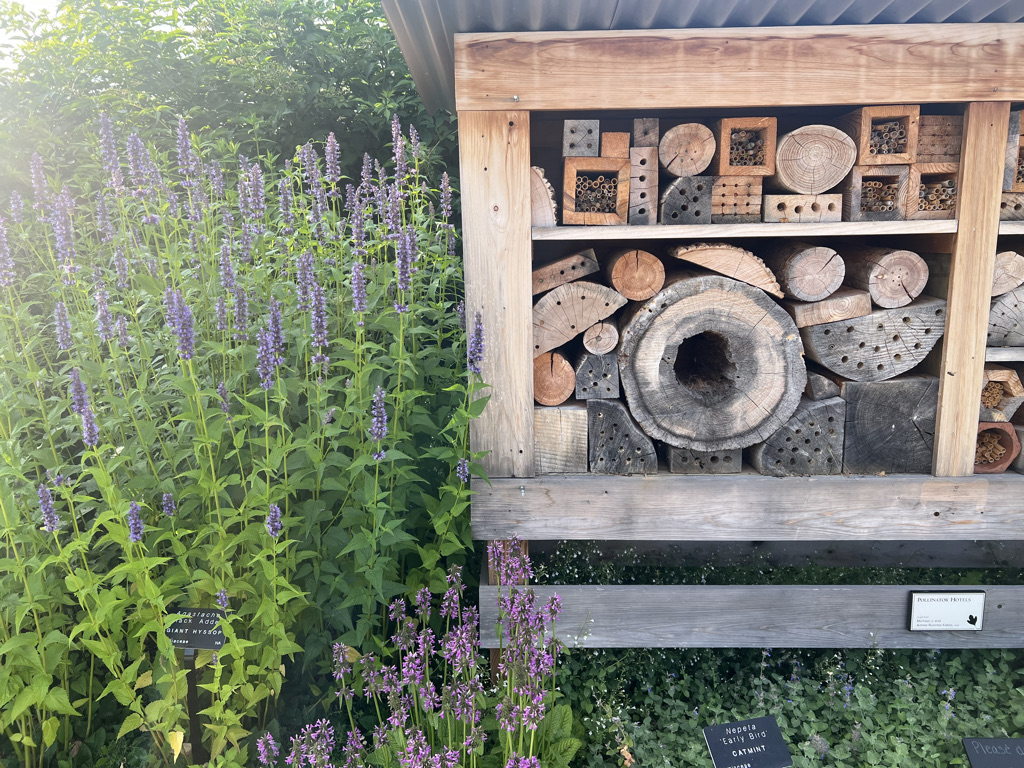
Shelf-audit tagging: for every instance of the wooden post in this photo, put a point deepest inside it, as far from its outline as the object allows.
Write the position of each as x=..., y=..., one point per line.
x=494, y=158
x=970, y=287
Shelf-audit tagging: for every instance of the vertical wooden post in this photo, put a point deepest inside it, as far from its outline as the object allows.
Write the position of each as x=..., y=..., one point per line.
x=494, y=158
x=970, y=287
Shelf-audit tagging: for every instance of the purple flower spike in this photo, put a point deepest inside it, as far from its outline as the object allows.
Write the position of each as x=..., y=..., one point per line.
x=358, y=289
x=274, y=526
x=222, y=313
x=6, y=262
x=475, y=353
x=318, y=325
x=50, y=519
x=80, y=405
x=109, y=149
x=42, y=194
x=241, y=313
x=270, y=353
x=135, y=525
x=379, y=423
x=268, y=750
x=17, y=207
x=123, y=339
x=181, y=323
x=227, y=271
x=313, y=746
x=222, y=391
x=169, y=506
x=462, y=470
x=59, y=219
x=331, y=153
x=63, y=326
x=222, y=599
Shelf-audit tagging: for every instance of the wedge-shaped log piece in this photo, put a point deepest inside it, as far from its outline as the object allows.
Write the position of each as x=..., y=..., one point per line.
x=890, y=425
x=1006, y=320
x=730, y=261
x=811, y=442
x=892, y=276
x=617, y=445
x=597, y=377
x=567, y=311
x=878, y=346
x=813, y=159
x=684, y=461
x=804, y=271
x=560, y=439
x=635, y=273
x=844, y=304
x=710, y=364
x=565, y=271
x=554, y=379
x=542, y=200
x=601, y=338
x=687, y=200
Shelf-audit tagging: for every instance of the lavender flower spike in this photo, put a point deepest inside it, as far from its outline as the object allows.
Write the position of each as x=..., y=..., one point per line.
x=379, y=424
x=80, y=405
x=270, y=353
x=62, y=325
x=268, y=750
x=169, y=507
x=6, y=262
x=135, y=525
x=274, y=526
x=109, y=150
x=222, y=599
x=475, y=353
x=462, y=470
x=50, y=519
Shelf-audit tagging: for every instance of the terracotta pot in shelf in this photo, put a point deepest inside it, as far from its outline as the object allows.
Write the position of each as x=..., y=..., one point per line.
x=1007, y=438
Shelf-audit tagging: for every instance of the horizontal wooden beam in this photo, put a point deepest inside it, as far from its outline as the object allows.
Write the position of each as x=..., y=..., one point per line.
x=760, y=617
x=1004, y=354
x=739, y=67
x=668, y=231
x=749, y=507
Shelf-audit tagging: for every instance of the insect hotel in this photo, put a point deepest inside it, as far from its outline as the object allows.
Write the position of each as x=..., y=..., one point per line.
x=744, y=280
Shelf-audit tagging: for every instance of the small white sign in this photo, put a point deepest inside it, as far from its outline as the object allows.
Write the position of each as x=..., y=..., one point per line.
x=931, y=611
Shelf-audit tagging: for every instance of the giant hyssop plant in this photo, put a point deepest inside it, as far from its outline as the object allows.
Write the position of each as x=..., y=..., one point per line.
x=219, y=388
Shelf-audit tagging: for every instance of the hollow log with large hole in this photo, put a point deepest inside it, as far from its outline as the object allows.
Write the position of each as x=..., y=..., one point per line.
x=710, y=363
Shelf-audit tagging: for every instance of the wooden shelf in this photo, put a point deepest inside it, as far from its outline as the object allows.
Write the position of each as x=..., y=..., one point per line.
x=1011, y=227
x=1004, y=354
x=703, y=231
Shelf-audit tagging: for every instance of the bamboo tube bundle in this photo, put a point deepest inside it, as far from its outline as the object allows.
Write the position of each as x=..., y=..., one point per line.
x=596, y=195
x=888, y=137
x=746, y=147
x=937, y=195
x=877, y=196
x=1020, y=166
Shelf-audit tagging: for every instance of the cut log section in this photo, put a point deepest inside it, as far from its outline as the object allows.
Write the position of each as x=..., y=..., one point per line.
x=893, y=277
x=820, y=384
x=687, y=200
x=806, y=272
x=686, y=149
x=634, y=273
x=811, y=442
x=601, y=338
x=1009, y=272
x=813, y=159
x=597, y=377
x=1006, y=320
x=567, y=311
x=890, y=425
x=560, y=439
x=878, y=346
x=684, y=461
x=542, y=200
x=554, y=380
x=802, y=209
x=617, y=445
x=730, y=261
x=710, y=364
x=844, y=304
x=565, y=271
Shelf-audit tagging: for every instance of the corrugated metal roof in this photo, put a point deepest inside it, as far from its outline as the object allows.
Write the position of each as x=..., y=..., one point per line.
x=425, y=28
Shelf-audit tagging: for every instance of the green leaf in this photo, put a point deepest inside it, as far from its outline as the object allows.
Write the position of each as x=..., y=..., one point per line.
x=50, y=727
x=131, y=723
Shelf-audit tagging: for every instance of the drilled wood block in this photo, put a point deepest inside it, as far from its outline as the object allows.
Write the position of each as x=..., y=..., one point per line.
x=869, y=127
x=597, y=377
x=565, y=270
x=876, y=193
x=687, y=201
x=581, y=138
x=736, y=199
x=685, y=461
x=686, y=149
x=933, y=190
x=1012, y=153
x=939, y=138
x=802, y=209
x=1011, y=207
x=595, y=191
x=646, y=132
x=810, y=443
x=560, y=439
x=1006, y=320
x=614, y=144
x=617, y=444
x=744, y=146
x=643, y=185
x=890, y=425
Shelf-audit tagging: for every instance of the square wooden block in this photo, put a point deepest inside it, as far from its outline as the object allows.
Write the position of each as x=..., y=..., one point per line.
x=884, y=135
x=876, y=193
x=687, y=201
x=1011, y=207
x=595, y=191
x=581, y=138
x=939, y=138
x=560, y=439
x=646, y=132
x=614, y=144
x=736, y=199
x=744, y=146
x=643, y=185
x=933, y=191
x=802, y=209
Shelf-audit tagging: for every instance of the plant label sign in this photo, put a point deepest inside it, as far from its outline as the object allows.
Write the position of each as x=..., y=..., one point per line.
x=756, y=743
x=198, y=630
x=995, y=753
x=930, y=611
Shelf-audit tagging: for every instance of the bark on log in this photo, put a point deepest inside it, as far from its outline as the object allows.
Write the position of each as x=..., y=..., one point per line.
x=567, y=311
x=844, y=304
x=560, y=439
x=597, y=377
x=1009, y=272
x=710, y=364
x=806, y=272
x=893, y=277
x=813, y=159
x=542, y=200
x=565, y=271
x=686, y=149
x=730, y=261
x=601, y=338
x=554, y=379
x=890, y=425
x=878, y=346
x=617, y=445
x=684, y=461
x=811, y=442
x=634, y=273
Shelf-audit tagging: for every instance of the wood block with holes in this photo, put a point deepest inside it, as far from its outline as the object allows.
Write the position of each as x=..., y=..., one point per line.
x=1012, y=162
x=1011, y=207
x=744, y=146
x=614, y=144
x=560, y=439
x=810, y=443
x=1006, y=320
x=617, y=445
x=597, y=377
x=802, y=209
x=736, y=199
x=933, y=190
x=876, y=193
x=646, y=132
x=565, y=271
x=687, y=200
x=686, y=461
x=871, y=129
x=595, y=191
x=939, y=138
x=643, y=185
x=844, y=304
x=890, y=425
x=581, y=138
x=567, y=311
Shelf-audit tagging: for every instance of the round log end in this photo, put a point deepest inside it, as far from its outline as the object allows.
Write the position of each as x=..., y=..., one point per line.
x=636, y=274
x=601, y=338
x=686, y=149
x=813, y=159
x=554, y=379
x=899, y=278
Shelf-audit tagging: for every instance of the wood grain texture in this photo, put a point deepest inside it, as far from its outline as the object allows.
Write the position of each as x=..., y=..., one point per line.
x=894, y=277
x=802, y=209
x=560, y=439
x=812, y=159
x=494, y=159
x=601, y=337
x=1011, y=206
x=1008, y=273
x=939, y=138
x=1006, y=320
x=646, y=131
x=643, y=185
x=729, y=67
x=687, y=201
x=597, y=377
x=614, y=144
x=686, y=461
x=617, y=445
x=970, y=286
x=564, y=313
x=804, y=271
x=810, y=443
x=1005, y=354
x=672, y=508
x=554, y=380
x=635, y=273
x=930, y=175
x=819, y=386
x=716, y=231
x=758, y=617
x=730, y=261
x=855, y=204
x=614, y=167
x=542, y=200
x=858, y=125
x=736, y=199
x=890, y=425
x=1012, y=151
x=581, y=138
x=686, y=149
x=565, y=270
x=844, y=304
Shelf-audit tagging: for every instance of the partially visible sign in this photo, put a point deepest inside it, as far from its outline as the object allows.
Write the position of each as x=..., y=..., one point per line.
x=198, y=630
x=930, y=611
x=995, y=753
x=756, y=743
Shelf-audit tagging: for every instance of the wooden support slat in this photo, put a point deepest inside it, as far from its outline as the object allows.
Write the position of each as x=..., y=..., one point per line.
x=791, y=229
x=759, y=617
x=495, y=168
x=970, y=287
